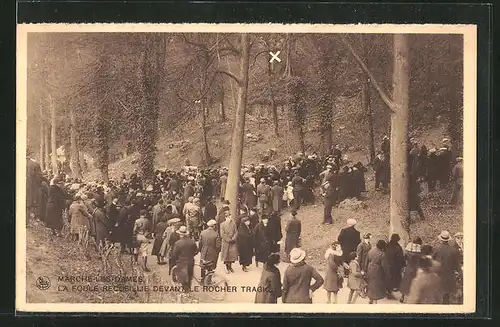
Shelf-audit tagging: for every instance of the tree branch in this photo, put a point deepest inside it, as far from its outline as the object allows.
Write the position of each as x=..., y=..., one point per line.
x=387, y=100
x=234, y=77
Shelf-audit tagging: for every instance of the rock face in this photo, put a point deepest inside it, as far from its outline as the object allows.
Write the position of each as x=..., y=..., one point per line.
x=352, y=204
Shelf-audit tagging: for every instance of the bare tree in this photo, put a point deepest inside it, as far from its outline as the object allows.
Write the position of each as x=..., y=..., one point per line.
x=399, y=222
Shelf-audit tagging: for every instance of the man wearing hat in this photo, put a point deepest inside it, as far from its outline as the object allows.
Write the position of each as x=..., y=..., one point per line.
x=349, y=239
x=183, y=253
x=264, y=197
x=56, y=203
x=362, y=251
x=297, y=286
x=277, y=196
x=229, y=248
x=457, y=174
x=449, y=258
x=140, y=231
x=209, y=247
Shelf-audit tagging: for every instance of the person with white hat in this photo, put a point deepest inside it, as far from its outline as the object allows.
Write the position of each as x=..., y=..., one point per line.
x=349, y=238
x=209, y=246
x=449, y=258
x=183, y=253
x=297, y=279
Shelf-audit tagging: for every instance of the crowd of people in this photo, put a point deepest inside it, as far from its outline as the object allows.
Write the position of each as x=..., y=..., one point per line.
x=178, y=212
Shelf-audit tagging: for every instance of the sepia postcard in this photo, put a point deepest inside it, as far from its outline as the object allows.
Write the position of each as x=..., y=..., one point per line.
x=246, y=168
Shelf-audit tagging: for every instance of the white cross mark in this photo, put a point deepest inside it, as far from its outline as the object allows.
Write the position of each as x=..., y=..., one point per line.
x=275, y=56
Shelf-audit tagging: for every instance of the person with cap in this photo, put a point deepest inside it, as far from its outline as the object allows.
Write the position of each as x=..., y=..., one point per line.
x=375, y=273
x=169, y=238
x=243, y=214
x=253, y=215
x=245, y=244
x=394, y=264
x=140, y=232
x=297, y=279
x=293, y=230
x=362, y=251
x=412, y=255
x=56, y=203
x=209, y=246
x=426, y=287
x=78, y=218
x=262, y=240
x=334, y=275
x=159, y=230
x=277, y=196
x=349, y=239
x=221, y=215
x=269, y=287
x=183, y=253
x=229, y=250
x=457, y=175
x=248, y=193
x=449, y=258
x=264, y=197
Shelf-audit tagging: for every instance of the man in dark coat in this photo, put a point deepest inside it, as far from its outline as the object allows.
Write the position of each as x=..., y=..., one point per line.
x=275, y=231
x=362, y=251
x=264, y=196
x=329, y=199
x=210, y=211
x=43, y=193
x=33, y=180
x=349, y=238
x=457, y=175
x=277, y=196
x=269, y=287
x=209, y=246
x=262, y=241
x=245, y=244
x=183, y=253
x=432, y=170
x=248, y=193
x=55, y=206
x=449, y=258
x=298, y=190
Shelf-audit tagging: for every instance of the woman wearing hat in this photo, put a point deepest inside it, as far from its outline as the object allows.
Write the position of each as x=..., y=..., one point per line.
x=262, y=240
x=269, y=288
x=158, y=242
x=412, y=255
x=297, y=279
x=78, y=217
x=426, y=287
x=183, y=253
x=449, y=258
x=245, y=243
x=293, y=230
x=395, y=262
x=334, y=276
x=375, y=272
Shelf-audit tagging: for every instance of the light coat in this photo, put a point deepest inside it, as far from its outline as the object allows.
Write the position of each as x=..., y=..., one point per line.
x=228, y=234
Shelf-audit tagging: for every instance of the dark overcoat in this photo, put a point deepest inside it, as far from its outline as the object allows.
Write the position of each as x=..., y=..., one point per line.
x=277, y=198
x=43, y=193
x=183, y=253
x=159, y=230
x=209, y=245
x=376, y=275
x=262, y=242
x=245, y=244
x=292, y=239
x=55, y=206
x=297, y=283
x=269, y=287
x=349, y=238
x=449, y=258
x=395, y=263
x=362, y=253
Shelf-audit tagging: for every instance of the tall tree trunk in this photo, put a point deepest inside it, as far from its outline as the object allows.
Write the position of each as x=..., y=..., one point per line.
x=46, y=145
x=239, y=129
x=399, y=222
x=206, y=158
x=222, y=109
x=368, y=110
x=274, y=109
x=53, y=134
x=75, y=158
x=42, y=141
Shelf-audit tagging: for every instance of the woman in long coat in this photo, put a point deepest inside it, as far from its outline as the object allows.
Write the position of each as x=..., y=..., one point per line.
x=55, y=206
x=275, y=231
x=262, y=241
x=78, y=217
x=334, y=271
x=102, y=224
x=269, y=288
x=395, y=263
x=43, y=193
x=159, y=230
x=376, y=289
x=229, y=250
x=293, y=230
x=245, y=243
x=412, y=256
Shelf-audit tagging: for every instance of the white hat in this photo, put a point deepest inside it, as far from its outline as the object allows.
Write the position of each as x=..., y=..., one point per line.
x=459, y=159
x=211, y=223
x=351, y=222
x=297, y=255
x=444, y=236
x=183, y=231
